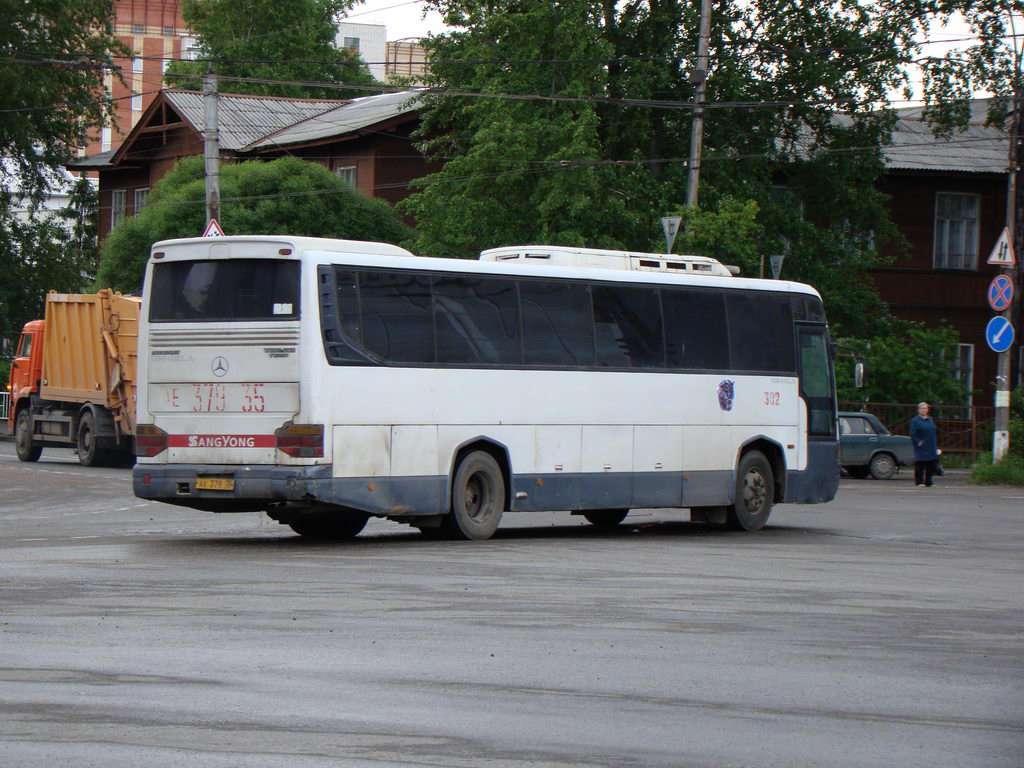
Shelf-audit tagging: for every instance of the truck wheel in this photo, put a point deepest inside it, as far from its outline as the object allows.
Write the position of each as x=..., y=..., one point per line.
x=23, y=438
x=478, y=498
x=754, y=494
x=89, y=454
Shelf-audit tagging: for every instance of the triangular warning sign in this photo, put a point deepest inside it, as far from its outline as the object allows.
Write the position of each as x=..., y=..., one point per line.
x=213, y=229
x=1003, y=254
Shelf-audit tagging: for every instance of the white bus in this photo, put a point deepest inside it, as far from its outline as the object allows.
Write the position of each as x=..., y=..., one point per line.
x=327, y=381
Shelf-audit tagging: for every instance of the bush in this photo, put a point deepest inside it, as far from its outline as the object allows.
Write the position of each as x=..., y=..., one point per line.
x=281, y=197
x=1009, y=471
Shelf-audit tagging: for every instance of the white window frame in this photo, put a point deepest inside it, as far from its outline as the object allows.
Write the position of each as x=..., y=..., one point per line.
x=968, y=235
x=140, y=199
x=963, y=369
x=118, y=206
x=347, y=173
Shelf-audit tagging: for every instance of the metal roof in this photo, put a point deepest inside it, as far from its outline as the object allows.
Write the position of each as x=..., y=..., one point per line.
x=246, y=119
x=352, y=116
x=93, y=162
x=977, y=149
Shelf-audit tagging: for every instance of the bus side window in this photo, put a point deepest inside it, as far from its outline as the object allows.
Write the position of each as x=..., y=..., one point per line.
x=696, y=336
x=623, y=337
x=477, y=320
x=761, y=332
x=558, y=324
x=397, y=318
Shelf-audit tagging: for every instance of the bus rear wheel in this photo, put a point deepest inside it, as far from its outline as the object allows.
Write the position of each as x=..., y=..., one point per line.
x=754, y=494
x=605, y=517
x=336, y=527
x=23, y=438
x=478, y=498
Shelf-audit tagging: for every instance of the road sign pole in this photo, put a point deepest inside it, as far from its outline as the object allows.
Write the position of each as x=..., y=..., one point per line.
x=1001, y=434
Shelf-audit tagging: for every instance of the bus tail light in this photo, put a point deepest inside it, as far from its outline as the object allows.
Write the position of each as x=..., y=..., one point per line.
x=149, y=440
x=303, y=441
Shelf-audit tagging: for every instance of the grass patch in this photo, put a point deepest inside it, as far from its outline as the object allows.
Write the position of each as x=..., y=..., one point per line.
x=1009, y=471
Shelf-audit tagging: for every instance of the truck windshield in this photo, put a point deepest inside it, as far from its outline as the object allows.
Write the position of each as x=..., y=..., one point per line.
x=235, y=289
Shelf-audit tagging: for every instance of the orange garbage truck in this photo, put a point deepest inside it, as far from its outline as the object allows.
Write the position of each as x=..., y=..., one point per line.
x=73, y=378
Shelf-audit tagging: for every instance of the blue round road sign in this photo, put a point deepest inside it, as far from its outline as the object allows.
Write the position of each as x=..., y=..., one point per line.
x=999, y=334
x=1000, y=293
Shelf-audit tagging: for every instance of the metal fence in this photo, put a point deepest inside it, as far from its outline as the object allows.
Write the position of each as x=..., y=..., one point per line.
x=965, y=429
x=5, y=405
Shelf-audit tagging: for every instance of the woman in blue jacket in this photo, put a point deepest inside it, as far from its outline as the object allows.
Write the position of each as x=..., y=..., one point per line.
x=925, y=439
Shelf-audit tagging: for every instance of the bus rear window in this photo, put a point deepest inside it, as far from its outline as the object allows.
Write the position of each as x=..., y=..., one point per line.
x=224, y=289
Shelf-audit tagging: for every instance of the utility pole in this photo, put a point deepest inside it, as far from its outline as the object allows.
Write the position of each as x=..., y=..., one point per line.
x=699, y=77
x=1001, y=434
x=211, y=146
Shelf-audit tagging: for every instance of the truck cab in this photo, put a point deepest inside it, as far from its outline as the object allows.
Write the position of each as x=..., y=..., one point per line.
x=26, y=368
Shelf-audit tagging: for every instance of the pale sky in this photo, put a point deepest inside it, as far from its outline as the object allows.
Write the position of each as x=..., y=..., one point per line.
x=403, y=18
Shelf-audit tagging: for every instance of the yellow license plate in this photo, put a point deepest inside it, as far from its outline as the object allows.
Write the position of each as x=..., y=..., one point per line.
x=215, y=483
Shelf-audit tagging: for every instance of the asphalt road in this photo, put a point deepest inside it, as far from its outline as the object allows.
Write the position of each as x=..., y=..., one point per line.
x=884, y=629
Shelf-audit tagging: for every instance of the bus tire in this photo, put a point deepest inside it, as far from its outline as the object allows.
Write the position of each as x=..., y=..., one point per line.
x=605, y=517
x=478, y=498
x=23, y=438
x=337, y=527
x=89, y=453
x=754, y=491
x=882, y=466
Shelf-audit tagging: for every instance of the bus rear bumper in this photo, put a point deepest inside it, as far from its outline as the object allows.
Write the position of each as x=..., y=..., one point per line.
x=248, y=488
x=254, y=488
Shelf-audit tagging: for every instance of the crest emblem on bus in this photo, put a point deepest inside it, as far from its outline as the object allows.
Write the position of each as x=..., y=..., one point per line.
x=726, y=394
x=219, y=366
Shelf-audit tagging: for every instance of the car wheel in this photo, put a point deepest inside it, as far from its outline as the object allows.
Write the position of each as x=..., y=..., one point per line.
x=883, y=466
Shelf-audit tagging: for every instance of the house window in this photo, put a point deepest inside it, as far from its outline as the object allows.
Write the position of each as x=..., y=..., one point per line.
x=168, y=31
x=956, y=231
x=352, y=43
x=118, y=201
x=138, y=29
x=141, y=198
x=346, y=173
x=963, y=368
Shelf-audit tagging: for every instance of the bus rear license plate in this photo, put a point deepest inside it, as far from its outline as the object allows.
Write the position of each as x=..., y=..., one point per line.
x=215, y=483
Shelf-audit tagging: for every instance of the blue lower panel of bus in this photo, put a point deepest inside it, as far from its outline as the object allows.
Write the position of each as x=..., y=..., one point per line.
x=256, y=487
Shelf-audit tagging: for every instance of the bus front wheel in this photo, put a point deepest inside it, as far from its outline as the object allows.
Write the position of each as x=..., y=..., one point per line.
x=478, y=498
x=754, y=494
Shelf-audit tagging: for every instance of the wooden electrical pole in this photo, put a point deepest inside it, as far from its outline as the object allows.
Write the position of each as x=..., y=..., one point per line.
x=699, y=77
x=211, y=146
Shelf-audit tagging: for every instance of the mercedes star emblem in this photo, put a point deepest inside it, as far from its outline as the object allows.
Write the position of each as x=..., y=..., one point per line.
x=219, y=366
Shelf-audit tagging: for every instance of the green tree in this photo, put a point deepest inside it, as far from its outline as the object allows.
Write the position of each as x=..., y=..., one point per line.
x=283, y=197
x=907, y=366
x=54, y=55
x=592, y=149
x=271, y=40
